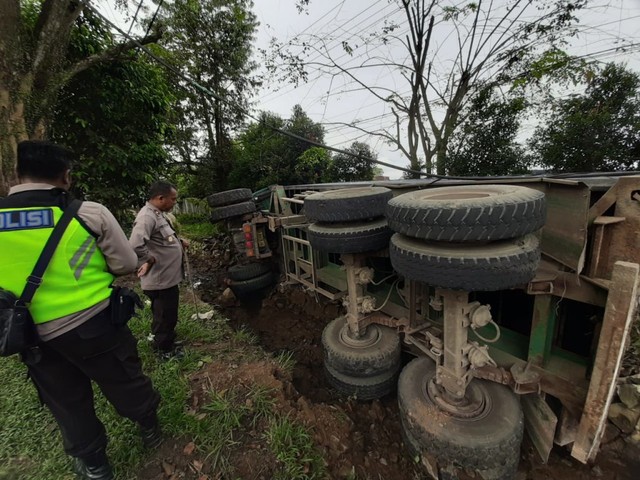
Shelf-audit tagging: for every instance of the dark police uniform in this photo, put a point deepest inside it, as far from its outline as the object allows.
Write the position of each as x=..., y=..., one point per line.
x=71, y=312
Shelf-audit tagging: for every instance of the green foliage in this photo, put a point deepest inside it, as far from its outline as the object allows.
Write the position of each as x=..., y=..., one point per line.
x=211, y=41
x=485, y=142
x=258, y=154
x=192, y=218
x=596, y=131
x=352, y=168
x=553, y=64
x=116, y=117
x=31, y=446
x=200, y=231
x=302, y=126
x=293, y=447
x=286, y=361
x=314, y=166
x=265, y=157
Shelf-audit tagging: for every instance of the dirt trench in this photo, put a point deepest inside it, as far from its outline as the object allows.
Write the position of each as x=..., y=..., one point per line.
x=370, y=443
x=359, y=439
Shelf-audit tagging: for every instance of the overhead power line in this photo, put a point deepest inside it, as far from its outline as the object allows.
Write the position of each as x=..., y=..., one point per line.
x=208, y=92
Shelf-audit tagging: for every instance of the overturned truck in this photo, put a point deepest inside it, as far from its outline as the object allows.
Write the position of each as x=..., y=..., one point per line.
x=515, y=295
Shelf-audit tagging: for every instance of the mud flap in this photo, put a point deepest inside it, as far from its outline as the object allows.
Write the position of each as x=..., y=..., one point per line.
x=540, y=423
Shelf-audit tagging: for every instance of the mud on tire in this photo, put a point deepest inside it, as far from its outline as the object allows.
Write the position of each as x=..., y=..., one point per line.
x=488, y=267
x=489, y=442
x=347, y=204
x=362, y=388
x=376, y=352
x=468, y=213
x=420, y=454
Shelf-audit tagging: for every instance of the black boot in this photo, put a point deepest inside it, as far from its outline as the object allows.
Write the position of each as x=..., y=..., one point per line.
x=151, y=437
x=92, y=470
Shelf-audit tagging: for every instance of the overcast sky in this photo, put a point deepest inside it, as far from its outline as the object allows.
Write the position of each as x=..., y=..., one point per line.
x=332, y=100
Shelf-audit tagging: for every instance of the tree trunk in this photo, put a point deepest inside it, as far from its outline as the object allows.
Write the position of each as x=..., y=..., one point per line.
x=14, y=130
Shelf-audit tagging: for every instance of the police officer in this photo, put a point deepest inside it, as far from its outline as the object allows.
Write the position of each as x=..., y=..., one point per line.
x=160, y=252
x=71, y=308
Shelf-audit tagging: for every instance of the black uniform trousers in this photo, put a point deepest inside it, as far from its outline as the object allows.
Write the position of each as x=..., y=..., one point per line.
x=98, y=351
x=164, y=306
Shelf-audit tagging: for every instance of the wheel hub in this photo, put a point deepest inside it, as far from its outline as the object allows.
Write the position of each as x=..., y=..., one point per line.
x=474, y=404
x=370, y=337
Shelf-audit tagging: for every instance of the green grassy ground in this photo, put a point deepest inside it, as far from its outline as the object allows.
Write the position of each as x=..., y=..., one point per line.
x=30, y=443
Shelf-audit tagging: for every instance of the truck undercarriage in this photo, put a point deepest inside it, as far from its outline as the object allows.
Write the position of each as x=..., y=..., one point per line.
x=520, y=323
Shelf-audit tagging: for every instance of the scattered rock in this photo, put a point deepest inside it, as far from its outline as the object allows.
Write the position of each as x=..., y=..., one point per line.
x=623, y=418
x=227, y=298
x=632, y=379
x=629, y=394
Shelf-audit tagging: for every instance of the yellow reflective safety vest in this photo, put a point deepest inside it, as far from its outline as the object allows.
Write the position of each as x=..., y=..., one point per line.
x=77, y=276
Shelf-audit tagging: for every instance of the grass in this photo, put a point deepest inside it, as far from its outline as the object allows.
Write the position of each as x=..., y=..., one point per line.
x=31, y=446
x=294, y=449
x=196, y=227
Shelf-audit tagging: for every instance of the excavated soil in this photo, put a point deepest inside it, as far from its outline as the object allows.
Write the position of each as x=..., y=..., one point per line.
x=358, y=440
x=372, y=446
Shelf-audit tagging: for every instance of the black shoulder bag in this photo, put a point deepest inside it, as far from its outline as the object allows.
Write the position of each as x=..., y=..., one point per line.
x=17, y=330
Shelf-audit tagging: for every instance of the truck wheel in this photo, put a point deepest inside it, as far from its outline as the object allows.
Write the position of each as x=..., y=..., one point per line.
x=347, y=204
x=350, y=237
x=468, y=213
x=421, y=455
x=487, y=440
x=230, y=211
x=362, y=388
x=250, y=270
x=229, y=197
x=243, y=287
x=484, y=267
x=374, y=353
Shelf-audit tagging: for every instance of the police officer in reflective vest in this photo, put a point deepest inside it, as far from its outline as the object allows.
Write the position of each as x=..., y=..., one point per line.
x=79, y=343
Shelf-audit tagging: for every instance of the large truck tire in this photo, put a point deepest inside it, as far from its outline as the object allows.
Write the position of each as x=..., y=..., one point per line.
x=376, y=351
x=242, y=288
x=451, y=471
x=247, y=271
x=487, y=267
x=488, y=442
x=231, y=211
x=229, y=197
x=362, y=388
x=468, y=213
x=350, y=237
x=347, y=204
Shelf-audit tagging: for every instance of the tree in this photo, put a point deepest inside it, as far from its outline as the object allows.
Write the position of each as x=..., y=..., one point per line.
x=302, y=126
x=116, y=118
x=257, y=153
x=355, y=167
x=596, y=131
x=264, y=156
x=314, y=166
x=494, y=42
x=485, y=142
x=34, y=67
x=211, y=42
